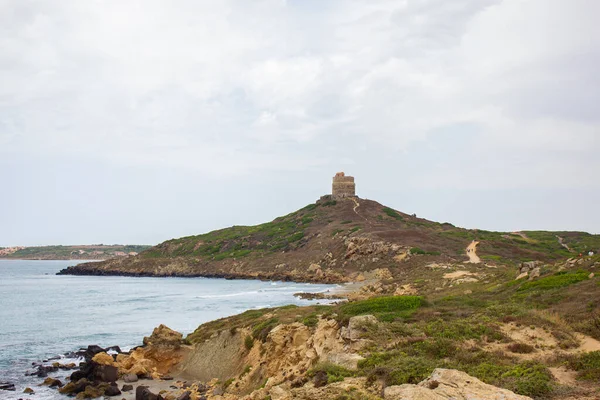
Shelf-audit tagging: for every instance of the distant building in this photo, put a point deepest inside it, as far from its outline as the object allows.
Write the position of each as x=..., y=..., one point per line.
x=343, y=186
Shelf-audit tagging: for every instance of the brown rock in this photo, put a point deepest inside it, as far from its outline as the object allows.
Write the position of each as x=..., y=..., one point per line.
x=165, y=337
x=103, y=359
x=127, y=388
x=446, y=384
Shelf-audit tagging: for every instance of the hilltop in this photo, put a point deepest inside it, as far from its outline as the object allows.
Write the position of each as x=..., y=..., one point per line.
x=75, y=252
x=339, y=240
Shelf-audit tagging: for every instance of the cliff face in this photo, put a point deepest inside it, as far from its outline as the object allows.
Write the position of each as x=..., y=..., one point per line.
x=336, y=240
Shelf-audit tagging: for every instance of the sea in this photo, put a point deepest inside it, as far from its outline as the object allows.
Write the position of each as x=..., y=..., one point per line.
x=44, y=315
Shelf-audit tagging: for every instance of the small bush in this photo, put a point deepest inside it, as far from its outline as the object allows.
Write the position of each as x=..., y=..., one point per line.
x=261, y=330
x=310, y=320
x=249, y=342
x=335, y=373
x=520, y=348
x=392, y=213
x=329, y=203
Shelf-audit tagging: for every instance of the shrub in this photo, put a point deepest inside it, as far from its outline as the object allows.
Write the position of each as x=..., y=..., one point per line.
x=520, y=348
x=382, y=305
x=261, y=330
x=587, y=366
x=249, y=342
x=392, y=213
x=335, y=373
x=558, y=280
x=310, y=320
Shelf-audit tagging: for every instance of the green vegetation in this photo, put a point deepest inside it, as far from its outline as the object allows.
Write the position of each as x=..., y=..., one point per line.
x=558, y=280
x=392, y=213
x=416, y=250
x=335, y=373
x=311, y=320
x=261, y=330
x=587, y=365
x=248, y=342
x=384, y=308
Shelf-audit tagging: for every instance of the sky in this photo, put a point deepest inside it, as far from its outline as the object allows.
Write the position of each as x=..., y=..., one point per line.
x=130, y=121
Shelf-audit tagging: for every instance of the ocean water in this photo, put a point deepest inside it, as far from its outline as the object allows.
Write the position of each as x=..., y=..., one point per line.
x=44, y=315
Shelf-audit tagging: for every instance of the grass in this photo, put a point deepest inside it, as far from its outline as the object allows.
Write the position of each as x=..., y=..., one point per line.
x=384, y=308
x=556, y=281
x=261, y=330
x=587, y=366
x=335, y=373
x=392, y=213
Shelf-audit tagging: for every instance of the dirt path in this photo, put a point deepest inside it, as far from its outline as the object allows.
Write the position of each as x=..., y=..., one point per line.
x=355, y=208
x=472, y=252
x=560, y=241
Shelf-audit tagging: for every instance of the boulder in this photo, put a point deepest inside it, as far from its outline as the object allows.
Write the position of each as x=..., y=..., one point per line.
x=357, y=326
x=164, y=336
x=130, y=378
x=143, y=393
x=112, y=390
x=446, y=384
x=107, y=373
x=7, y=386
x=127, y=388
x=28, y=390
x=103, y=359
x=74, y=387
x=534, y=273
x=184, y=396
x=52, y=382
x=346, y=360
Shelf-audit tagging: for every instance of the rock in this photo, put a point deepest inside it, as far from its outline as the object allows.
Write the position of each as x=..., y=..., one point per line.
x=74, y=387
x=92, y=392
x=113, y=349
x=357, y=326
x=28, y=390
x=591, y=275
x=107, y=373
x=130, y=378
x=52, y=382
x=346, y=360
x=534, y=273
x=320, y=379
x=446, y=384
x=7, y=386
x=166, y=378
x=112, y=390
x=184, y=396
x=405, y=290
x=218, y=391
x=127, y=388
x=103, y=359
x=143, y=393
x=165, y=337
x=280, y=393
x=90, y=352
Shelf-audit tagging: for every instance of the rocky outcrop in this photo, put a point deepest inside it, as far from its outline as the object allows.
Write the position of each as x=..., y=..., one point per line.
x=450, y=384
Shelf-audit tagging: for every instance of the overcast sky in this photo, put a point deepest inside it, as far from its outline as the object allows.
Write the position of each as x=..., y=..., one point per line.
x=136, y=121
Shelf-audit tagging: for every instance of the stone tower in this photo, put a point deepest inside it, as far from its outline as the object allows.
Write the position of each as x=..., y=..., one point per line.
x=343, y=186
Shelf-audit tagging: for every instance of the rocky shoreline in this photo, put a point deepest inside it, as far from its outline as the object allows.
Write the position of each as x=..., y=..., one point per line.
x=86, y=270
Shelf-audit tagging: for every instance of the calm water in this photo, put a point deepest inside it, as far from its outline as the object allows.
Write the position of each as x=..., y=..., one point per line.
x=44, y=315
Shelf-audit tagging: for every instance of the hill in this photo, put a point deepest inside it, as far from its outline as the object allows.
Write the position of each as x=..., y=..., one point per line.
x=339, y=241
x=78, y=252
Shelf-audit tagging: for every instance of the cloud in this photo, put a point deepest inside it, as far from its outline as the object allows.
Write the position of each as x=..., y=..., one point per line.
x=229, y=88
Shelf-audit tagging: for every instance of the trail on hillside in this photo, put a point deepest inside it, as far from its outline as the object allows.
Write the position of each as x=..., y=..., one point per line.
x=472, y=252
x=562, y=243
x=355, y=208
